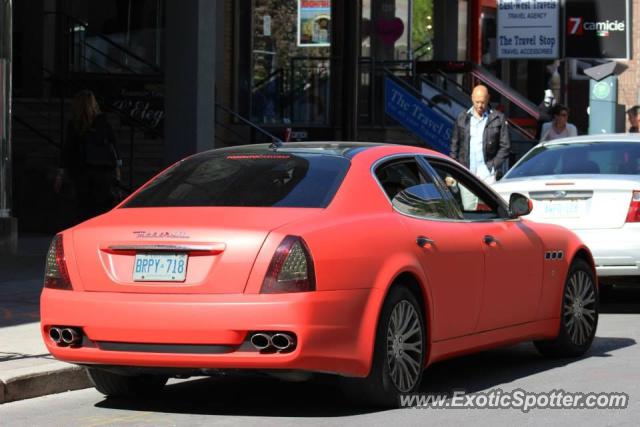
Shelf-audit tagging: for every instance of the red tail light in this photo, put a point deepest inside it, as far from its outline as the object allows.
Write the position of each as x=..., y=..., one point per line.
x=291, y=269
x=55, y=272
x=634, y=208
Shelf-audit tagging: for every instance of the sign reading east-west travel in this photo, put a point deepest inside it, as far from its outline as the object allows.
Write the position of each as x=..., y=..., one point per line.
x=528, y=29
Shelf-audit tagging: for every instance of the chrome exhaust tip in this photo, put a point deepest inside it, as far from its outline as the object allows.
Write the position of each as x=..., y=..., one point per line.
x=282, y=341
x=261, y=341
x=56, y=335
x=70, y=336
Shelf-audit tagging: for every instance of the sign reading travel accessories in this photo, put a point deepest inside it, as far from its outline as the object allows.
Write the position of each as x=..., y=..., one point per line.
x=528, y=29
x=597, y=28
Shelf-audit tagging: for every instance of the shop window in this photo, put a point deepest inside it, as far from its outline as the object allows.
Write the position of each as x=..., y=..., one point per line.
x=291, y=46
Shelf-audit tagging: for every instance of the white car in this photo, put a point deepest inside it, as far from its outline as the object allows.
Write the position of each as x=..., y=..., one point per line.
x=591, y=185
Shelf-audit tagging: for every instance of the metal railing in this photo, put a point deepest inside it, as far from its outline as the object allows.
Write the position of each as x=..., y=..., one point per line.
x=117, y=58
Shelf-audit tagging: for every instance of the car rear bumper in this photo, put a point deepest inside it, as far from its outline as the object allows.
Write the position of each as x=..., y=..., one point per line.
x=616, y=252
x=333, y=329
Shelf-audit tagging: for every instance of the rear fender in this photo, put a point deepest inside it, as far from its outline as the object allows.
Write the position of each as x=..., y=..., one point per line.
x=388, y=273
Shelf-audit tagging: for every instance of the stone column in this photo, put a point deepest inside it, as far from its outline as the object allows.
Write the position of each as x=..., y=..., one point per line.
x=190, y=76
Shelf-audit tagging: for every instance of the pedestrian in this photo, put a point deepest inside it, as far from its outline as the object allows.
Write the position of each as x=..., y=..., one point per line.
x=633, y=114
x=89, y=157
x=559, y=126
x=480, y=138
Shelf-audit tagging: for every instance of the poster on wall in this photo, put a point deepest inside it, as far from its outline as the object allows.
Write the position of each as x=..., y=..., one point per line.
x=314, y=23
x=598, y=29
x=528, y=29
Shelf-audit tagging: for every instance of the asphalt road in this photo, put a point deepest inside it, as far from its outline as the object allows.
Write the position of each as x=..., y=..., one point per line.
x=611, y=366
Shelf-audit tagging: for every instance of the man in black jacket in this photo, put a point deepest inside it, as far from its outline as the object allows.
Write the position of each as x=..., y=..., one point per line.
x=480, y=138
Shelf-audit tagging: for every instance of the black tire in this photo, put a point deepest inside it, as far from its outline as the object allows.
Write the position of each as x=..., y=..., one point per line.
x=131, y=386
x=578, y=314
x=385, y=383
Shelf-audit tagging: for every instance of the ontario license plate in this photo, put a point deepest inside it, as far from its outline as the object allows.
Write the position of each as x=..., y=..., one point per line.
x=160, y=267
x=564, y=209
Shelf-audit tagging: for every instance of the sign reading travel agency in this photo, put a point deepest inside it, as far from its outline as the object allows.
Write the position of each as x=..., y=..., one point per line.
x=528, y=29
x=598, y=29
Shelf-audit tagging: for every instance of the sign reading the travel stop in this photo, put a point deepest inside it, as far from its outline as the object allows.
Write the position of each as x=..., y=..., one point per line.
x=314, y=23
x=597, y=29
x=431, y=126
x=528, y=29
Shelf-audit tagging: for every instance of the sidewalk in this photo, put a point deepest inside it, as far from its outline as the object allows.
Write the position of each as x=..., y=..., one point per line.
x=26, y=368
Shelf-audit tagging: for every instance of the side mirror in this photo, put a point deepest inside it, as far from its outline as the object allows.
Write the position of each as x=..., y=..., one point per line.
x=519, y=205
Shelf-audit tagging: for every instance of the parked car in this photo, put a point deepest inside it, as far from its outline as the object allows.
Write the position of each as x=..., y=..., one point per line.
x=591, y=185
x=368, y=261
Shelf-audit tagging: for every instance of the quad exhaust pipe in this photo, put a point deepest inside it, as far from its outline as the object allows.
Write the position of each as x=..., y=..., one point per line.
x=280, y=341
x=261, y=341
x=62, y=335
x=55, y=334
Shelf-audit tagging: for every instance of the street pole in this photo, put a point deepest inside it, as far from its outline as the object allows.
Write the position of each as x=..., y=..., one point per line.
x=351, y=69
x=8, y=225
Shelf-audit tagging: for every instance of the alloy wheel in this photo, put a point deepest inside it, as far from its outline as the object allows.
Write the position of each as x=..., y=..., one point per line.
x=579, y=310
x=404, y=346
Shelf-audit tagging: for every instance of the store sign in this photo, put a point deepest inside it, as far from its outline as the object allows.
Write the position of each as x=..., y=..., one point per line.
x=314, y=23
x=597, y=29
x=528, y=29
x=143, y=105
x=432, y=127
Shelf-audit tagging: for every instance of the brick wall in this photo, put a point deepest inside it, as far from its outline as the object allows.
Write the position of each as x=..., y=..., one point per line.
x=629, y=81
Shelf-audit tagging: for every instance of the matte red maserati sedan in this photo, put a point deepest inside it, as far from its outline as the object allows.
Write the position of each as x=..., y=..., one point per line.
x=368, y=261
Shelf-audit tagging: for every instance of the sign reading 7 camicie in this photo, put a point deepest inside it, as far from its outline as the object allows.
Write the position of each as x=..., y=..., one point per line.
x=597, y=28
x=528, y=29
x=431, y=126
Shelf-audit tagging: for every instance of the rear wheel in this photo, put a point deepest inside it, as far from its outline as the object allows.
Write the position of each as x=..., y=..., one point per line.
x=133, y=386
x=399, y=352
x=579, y=315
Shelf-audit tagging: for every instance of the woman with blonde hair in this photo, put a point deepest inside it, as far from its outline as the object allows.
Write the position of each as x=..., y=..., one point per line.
x=89, y=156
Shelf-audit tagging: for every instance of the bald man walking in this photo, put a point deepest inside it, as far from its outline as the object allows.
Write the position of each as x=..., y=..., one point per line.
x=480, y=138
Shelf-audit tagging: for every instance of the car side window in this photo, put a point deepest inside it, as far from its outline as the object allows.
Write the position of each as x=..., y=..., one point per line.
x=468, y=194
x=411, y=191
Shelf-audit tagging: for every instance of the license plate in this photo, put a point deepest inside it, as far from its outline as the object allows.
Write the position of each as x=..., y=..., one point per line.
x=160, y=267
x=564, y=209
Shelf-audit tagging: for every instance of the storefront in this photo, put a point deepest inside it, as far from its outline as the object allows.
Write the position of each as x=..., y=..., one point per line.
x=291, y=57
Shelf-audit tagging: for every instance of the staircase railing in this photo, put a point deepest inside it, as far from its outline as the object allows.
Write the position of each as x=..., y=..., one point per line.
x=75, y=30
x=254, y=127
x=35, y=131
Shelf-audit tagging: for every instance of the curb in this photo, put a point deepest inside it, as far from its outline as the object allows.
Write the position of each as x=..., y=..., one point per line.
x=43, y=383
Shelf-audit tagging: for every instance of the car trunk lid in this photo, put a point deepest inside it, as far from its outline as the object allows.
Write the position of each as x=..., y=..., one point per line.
x=576, y=202
x=175, y=250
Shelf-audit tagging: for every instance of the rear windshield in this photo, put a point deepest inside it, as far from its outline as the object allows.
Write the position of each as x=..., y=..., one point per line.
x=259, y=180
x=600, y=158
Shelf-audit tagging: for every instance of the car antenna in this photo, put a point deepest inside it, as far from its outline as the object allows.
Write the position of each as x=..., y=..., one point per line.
x=277, y=143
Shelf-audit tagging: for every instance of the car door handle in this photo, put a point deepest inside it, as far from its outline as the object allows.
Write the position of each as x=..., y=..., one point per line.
x=488, y=239
x=423, y=241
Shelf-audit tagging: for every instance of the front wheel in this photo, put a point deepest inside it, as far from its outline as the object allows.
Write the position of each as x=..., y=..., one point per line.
x=399, y=352
x=579, y=315
x=132, y=386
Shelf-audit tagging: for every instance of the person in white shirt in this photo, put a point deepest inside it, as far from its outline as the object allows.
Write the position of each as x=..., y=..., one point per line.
x=480, y=137
x=559, y=126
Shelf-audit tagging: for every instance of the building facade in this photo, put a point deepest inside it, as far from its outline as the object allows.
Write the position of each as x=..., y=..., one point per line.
x=181, y=77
